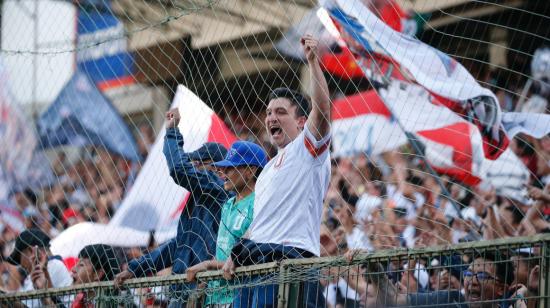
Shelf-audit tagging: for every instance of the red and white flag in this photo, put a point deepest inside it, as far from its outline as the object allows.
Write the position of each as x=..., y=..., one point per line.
x=154, y=202
x=344, y=64
x=430, y=67
x=361, y=123
x=366, y=122
x=411, y=60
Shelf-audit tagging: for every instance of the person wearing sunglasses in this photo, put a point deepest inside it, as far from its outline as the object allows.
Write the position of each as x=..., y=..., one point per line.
x=240, y=169
x=488, y=282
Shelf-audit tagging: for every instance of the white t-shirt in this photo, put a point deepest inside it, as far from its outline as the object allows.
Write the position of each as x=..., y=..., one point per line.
x=358, y=239
x=290, y=192
x=365, y=206
x=59, y=274
x=345, y=290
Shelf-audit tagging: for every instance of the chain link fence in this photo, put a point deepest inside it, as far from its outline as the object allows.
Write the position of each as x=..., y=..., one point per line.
x=508, y=272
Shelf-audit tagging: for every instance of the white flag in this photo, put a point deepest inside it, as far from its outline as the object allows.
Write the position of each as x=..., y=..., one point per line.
x=154, y=202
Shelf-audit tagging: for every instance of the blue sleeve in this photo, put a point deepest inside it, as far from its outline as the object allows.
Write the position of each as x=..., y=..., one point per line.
x=182, y=170
x=154, y=261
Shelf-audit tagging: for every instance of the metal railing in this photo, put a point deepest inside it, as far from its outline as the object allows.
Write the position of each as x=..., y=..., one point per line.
x=432, y=276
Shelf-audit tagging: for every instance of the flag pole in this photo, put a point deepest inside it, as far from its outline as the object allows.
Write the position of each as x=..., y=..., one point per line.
x=523, y=95
x=34, y=107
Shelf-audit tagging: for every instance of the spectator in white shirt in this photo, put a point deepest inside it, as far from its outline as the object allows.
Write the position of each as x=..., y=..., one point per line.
x=291, y=188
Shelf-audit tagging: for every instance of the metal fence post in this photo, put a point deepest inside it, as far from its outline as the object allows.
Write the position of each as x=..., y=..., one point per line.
x=289, y=291
x=284, y=288
x=544, y=285
x=99, y=295
x=293, y=274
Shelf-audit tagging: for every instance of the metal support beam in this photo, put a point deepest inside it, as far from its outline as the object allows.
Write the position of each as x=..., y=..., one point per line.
x=472, y=13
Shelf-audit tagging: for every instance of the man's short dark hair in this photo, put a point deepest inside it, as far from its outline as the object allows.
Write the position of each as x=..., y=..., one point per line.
x=297, y=99
x=103, y=258
x=504, y=267
x=257, y=173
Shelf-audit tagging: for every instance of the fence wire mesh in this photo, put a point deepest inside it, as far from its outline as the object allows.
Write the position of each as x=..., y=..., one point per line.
x=509, y=272
x=424, y=151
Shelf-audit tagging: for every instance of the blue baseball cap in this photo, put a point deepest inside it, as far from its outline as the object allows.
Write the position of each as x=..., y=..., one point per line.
x=209, y=151
x=243, y=153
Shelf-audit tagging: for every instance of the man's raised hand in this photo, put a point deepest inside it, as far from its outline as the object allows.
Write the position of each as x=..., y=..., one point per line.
x=172, y=118
x=122, y=277
x=310, y=44
x=228, y=269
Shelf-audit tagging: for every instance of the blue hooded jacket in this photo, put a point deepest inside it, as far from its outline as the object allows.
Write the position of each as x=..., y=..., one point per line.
x=195, y=240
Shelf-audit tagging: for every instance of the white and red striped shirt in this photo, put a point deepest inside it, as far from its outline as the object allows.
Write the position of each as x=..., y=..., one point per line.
x=290, y=193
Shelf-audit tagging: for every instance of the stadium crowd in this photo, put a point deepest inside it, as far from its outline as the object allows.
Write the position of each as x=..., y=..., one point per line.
x=88, y=189
x=371, y=204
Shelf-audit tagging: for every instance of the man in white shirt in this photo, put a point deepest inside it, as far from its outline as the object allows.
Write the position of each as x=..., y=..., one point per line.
x=291, y=188
x=31, y=250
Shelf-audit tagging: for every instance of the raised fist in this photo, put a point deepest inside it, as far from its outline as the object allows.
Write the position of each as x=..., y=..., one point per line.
x=172, y=118
x=310, y=44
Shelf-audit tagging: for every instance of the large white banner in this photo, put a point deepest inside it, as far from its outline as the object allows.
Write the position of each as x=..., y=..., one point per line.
x=154, y=202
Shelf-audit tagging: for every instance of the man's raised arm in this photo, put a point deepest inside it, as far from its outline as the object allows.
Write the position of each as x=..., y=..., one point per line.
x=319, y=119
x=181, y=168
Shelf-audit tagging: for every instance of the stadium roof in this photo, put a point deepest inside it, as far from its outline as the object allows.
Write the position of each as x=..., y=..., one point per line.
x=210, y=22
x=207, y=22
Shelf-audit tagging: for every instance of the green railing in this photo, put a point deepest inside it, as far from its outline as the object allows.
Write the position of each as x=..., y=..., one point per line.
x=369, y=280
